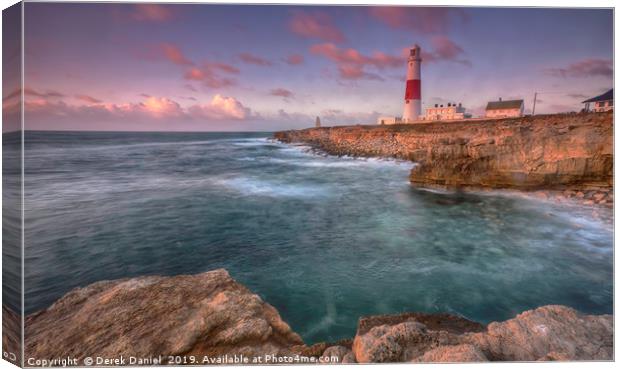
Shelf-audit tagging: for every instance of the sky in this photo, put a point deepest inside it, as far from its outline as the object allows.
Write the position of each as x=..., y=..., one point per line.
x=197, y=67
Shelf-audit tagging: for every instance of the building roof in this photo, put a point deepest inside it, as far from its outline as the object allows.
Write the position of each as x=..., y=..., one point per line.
x=504, y=104
x=609, y=95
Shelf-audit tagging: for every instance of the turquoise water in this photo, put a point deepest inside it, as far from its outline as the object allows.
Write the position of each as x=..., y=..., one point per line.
x=323, y=239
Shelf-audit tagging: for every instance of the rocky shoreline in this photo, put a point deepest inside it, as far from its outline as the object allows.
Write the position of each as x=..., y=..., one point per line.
x=187, y=319
x=560, y=157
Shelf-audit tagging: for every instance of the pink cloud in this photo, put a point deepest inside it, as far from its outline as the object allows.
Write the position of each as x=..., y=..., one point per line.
x=161, y=107
x=221, y=108
x=351, y=63
x=152, y=108
x=353, y=72
x=253, y=59
x=419, y=19
x=46, y=94
x=315, y=25
x=209, y=76
x=173, y=54
x=88, y=99
x=294, y=59
x=585, y=68
x=282, y=92
x=444, y=49
x=152, y=13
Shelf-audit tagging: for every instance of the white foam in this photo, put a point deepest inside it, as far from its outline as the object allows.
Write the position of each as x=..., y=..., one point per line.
x=260, y=187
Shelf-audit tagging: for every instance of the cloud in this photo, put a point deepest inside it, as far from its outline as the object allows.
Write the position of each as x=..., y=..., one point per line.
x=208, y=74
x=88, y=99
x=585, y=68
x=152, y=13
x=294, y=59
x=315, y=25
x=419, y=19
x=162, y=107
x=578, y=96
x=173, y=54
x=253, y=59
x=151, y=109
x=351, y=63
x=221, y=108
x=46, y=94
x=445, y=49
x=282, y=92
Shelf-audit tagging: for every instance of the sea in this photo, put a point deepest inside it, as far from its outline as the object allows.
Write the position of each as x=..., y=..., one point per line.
x=324, y=239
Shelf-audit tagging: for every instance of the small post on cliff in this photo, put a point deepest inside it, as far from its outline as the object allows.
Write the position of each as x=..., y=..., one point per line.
x=534, y=106
x=317, y=123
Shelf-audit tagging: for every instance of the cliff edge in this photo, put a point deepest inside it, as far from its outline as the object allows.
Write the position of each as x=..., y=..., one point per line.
x=557, y=152
x=209, y=316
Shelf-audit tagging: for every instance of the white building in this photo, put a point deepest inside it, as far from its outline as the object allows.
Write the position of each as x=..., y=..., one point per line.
x=388, y=120
x=449, y=112
x=504, y=109
x=601, y=103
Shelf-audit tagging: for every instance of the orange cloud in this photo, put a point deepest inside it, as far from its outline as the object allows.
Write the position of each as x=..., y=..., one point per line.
x=161, y=107
x=315, y=25
x=221, y=108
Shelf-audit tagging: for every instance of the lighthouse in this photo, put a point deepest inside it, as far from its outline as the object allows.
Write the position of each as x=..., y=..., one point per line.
x=413, y=90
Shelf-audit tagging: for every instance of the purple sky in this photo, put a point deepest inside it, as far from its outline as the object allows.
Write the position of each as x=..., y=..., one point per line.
x=234, y=67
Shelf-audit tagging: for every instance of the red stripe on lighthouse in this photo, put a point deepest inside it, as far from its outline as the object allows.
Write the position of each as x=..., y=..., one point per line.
x=413, y=90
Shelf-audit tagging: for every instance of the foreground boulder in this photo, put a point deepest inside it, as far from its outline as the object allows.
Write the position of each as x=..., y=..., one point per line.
x=547, y=333
x=203, y=314
x=211, y=316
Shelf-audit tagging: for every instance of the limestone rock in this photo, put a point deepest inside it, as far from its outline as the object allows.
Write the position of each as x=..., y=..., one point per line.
x=527, y=153
x=452, y=354
x=203, y=314
x=336, y=352
x=549, y=332
x=211, y=314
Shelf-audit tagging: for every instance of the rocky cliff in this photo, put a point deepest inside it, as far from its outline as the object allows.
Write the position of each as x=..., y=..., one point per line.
x=209, y=317
x=560, y=152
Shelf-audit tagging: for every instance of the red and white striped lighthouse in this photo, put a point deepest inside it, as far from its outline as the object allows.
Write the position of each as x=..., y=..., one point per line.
x=413, y=91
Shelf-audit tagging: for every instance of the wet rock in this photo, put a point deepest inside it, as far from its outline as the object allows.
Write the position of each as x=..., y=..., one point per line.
x=202, y=314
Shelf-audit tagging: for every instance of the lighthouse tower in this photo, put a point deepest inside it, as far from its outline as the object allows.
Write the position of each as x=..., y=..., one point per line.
x=413, y=91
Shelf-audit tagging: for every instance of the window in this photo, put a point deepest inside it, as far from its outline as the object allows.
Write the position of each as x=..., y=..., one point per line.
x=610, y=103
x=601, y=104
